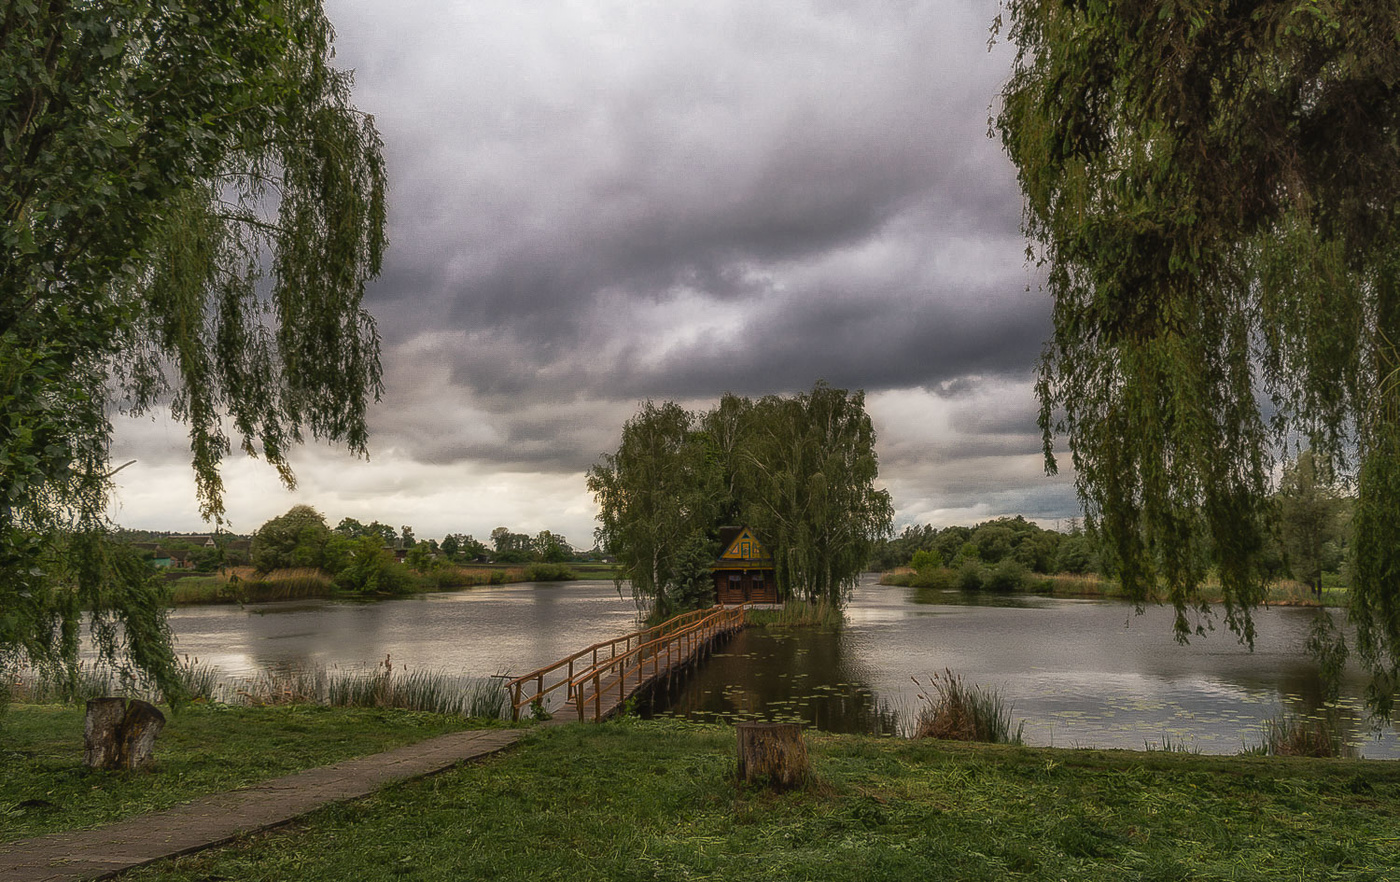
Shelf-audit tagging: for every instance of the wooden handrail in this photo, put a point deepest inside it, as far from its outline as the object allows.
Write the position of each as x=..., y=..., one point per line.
x=518, y=687
x=716, y=620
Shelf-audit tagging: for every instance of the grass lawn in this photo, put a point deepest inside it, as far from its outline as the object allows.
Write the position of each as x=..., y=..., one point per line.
x=657, y=800
x=203, y=749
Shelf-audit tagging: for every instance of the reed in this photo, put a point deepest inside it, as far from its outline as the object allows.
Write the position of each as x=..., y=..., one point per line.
x=799, y=614
x=1287, y=735
x=382, y=687
x=954, y=711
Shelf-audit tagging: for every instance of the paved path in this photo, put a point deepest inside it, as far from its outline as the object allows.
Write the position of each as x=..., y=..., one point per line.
x=221, y=817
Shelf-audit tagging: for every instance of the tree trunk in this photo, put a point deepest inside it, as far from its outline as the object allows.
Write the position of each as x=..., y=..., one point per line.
x=121, y=735
x=773, y=755
x=100, y=732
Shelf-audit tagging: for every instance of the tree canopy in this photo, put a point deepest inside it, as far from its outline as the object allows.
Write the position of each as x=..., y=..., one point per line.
x=191, y=209
x=1214, y=191
x=800, y=470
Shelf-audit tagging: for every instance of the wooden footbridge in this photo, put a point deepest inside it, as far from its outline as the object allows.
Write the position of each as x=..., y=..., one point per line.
x=601, y=678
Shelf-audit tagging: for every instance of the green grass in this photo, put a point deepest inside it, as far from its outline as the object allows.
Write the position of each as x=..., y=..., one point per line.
x=203, y=749
x=657, y=800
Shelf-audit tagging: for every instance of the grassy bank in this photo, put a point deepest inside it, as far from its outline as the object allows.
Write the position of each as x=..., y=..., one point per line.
x=244, y=585
x=1282, y=593
x=657, y=800
x=203, y=749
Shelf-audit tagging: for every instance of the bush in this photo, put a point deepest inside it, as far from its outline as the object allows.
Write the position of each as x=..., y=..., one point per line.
x=955, y=712
x=971, y=575
x=371, y=569
x=549, y=572
x=926, y=561
x=1009, y=575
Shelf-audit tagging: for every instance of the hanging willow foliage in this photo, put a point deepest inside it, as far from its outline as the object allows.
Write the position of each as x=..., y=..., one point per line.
x=191, y=209
x=1214, y=191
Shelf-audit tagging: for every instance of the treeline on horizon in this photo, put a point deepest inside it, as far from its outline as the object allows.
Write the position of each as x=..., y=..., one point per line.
x=998, y=554
x=1311, y=544
x=355, y=557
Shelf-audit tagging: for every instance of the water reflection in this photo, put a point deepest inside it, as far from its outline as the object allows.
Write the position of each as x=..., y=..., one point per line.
x=506, y=629
x=1079, y=672
x=785, y=676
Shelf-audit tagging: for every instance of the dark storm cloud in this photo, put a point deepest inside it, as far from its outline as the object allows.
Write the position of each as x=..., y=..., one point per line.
x=552, y=164
x=596, y=204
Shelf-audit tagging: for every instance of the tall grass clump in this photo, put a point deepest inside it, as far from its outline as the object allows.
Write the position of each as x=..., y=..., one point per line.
x=953, y=711
x=382, y=687
x=1287, y=735
x=431, y=691
x=198, y=682
x=57, y=686
x=799, y=614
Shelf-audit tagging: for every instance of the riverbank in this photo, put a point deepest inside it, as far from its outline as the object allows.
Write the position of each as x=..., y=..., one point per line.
x=1091, y=585
x=636, y=799
x=245, y=585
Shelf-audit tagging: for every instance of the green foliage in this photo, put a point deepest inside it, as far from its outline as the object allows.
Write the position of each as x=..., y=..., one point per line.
x=1212, y=190
x=1310, y=517
x=292, y=540
x=370, y=568
x=550, y=547
x=189, y=210
x=421, y=560
x=806, y=478
x=799, y=470
x=691, y=584
x=659, y=489
x=924, y=560
x=1036, y=549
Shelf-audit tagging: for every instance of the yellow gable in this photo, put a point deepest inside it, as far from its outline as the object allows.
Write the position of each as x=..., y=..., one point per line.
x=744, y=547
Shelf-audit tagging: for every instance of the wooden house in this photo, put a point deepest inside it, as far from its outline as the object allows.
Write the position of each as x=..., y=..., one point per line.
x=744, y=570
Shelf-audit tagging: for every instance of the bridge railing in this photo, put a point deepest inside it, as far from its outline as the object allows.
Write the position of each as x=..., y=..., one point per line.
x=528, y=689
x=660, y=653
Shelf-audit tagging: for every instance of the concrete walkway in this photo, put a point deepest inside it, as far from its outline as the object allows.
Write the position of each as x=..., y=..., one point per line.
x=221, y=817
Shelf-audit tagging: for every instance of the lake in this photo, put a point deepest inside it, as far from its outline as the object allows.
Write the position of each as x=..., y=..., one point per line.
x=1080, y=673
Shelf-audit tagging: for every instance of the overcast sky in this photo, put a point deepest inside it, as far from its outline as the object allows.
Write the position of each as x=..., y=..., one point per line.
x=596, y=203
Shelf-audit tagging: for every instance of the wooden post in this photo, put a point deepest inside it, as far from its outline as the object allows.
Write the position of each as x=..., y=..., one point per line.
x=773, y=755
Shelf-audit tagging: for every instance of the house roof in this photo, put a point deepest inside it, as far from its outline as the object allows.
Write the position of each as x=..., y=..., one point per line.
x=741, y=549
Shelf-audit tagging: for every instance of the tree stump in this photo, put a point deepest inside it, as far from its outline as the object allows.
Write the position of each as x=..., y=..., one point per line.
x=121, y=734
x=773, y=755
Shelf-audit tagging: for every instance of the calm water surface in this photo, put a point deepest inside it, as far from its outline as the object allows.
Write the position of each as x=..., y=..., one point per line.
x=1080, y=673
x=487, y=631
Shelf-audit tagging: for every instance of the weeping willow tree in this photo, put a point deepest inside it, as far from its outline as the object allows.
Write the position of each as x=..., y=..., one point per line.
x=1214, y=190
x=800, y=470
x=191, y=209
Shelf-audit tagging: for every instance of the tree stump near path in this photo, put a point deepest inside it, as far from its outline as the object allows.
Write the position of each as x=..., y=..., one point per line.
x=121, y=734
x=773, y=755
